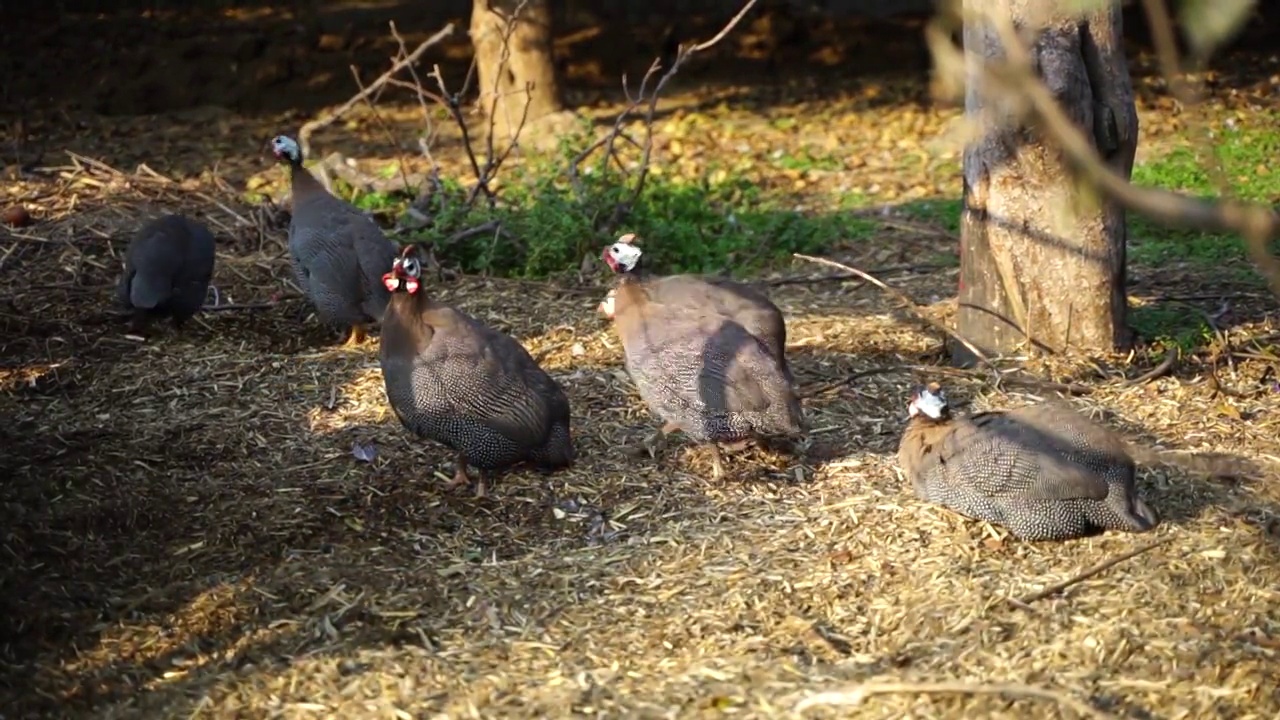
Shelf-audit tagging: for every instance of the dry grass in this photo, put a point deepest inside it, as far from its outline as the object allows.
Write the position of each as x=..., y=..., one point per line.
x=189, y=533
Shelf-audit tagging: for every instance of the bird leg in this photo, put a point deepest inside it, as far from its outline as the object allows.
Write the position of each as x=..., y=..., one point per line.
x=717, y=464
x=357, y=336
x=657, y=442
x=461, y=477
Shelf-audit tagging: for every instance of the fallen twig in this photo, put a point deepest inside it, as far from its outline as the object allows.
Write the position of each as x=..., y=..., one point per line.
x=858, y=695
x=1170, y=358
x=239, y=306
x=1056, y=588
x=902, y=297
x=839, y=277
x=309, y=127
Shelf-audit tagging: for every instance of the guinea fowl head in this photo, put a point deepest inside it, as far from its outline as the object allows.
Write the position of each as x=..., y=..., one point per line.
x=286, y=149
x=623, y=256
x=406, y=272
x=929, y=401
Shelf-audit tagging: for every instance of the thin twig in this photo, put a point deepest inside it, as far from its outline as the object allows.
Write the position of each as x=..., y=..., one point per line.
x=239, y=306
x=858, y=695
x=623, y=208
x=902, y=297
x=382, y=125
x=840, y=277
x=1058, y=587
x=1158, y=371
x=309, y=127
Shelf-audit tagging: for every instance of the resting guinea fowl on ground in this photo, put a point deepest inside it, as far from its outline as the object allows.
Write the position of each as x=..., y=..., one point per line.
x=1044, y=471
x=452, y=379
x=339, y=253
x=697, y=364
x=167, y=270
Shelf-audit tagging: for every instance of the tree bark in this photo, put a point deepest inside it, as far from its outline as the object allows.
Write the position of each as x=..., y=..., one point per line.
x=506, y=69
x=1041, y=263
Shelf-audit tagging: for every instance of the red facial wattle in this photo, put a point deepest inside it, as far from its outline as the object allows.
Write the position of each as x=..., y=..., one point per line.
x=411, y=285
x=391, y=282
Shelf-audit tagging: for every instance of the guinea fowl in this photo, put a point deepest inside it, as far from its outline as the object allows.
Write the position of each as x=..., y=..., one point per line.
x=167, y=269
x=339, y=253
x=718, y=295
x=697, y=365
x=1043, y=471
x=452, y=379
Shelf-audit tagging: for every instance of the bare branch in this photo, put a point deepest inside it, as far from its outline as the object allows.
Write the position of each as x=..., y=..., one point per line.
x=622, y=209
x=903, y=298
x=308, y=128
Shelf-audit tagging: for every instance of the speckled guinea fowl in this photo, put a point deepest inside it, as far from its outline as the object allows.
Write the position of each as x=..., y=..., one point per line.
x=452, y=379
x=167, y=270
x=700, y=371
x=339, y=253
x=717, y=295
x=1044, y=471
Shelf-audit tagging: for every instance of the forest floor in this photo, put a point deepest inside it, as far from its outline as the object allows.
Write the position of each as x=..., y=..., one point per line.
x=192, y=528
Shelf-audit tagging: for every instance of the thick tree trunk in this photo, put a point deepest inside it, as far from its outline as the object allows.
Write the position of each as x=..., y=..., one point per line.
x=504, y=73
x=1041, y=264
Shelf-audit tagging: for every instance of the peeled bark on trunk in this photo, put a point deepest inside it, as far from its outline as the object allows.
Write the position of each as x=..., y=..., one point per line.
x=1040, y=262
x=528, y=63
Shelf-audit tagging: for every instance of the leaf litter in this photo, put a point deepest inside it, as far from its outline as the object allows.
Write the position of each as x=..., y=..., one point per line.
x=188, y=535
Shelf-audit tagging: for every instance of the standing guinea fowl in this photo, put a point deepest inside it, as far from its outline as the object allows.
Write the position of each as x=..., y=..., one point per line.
x=339, y=253
x=452, y=379
x=696, y=364
x=717, y=295
x=167, y=270
x=1043, y=471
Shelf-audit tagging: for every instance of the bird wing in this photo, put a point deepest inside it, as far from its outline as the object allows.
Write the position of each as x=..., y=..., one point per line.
x=1012, y=458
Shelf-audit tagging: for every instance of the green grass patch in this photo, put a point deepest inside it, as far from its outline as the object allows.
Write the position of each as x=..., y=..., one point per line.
x=713, y=223
x=1170, y=325
x=1244, y=156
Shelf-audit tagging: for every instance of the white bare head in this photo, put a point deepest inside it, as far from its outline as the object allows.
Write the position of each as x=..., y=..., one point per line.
x=929, y=401
x=623, y=255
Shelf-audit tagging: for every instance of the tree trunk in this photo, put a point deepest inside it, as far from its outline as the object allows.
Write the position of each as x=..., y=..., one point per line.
x=1041, y=263
x=526, y=61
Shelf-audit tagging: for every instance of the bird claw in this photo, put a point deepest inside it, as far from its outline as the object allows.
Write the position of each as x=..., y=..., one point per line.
x=217, y=296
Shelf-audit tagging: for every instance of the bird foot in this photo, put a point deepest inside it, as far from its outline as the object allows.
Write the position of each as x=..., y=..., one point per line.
x=356, y=337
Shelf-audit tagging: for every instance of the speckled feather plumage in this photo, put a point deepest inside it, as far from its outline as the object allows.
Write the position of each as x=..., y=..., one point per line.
x=451, y=379
x=339, y=255
x=728, y=298
x=703, y=371
x=168, y=267
x=1044, y=472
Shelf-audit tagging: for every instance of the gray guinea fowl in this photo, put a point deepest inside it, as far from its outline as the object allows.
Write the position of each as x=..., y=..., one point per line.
x=167, y=270
x=697, y=366
x=1044, y=471
x=452, y=379
x=719, y=296
x=339, y=253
